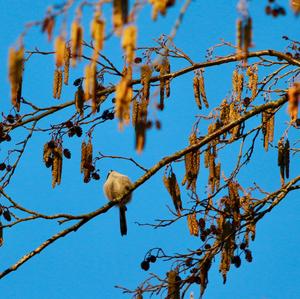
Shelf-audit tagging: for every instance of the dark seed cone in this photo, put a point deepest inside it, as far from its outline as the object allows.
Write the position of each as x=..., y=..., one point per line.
x=123, y=224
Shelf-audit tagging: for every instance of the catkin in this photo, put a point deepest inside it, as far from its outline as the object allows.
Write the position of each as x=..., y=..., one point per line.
x=57, y=83
x=79, y=100
x=202, y=90
x=120, y=15
x=146, y=73
x=197, y=92
x=90, y=90
x=193, y=224
x=173, y=285
x=67, y=56
x=129, y=42
x=59, y=51
x=76, y=41
x=15, y=74
x=97, y=33
x=295, y=4
x=57, y=166
x=172, y=186
x=158, y=6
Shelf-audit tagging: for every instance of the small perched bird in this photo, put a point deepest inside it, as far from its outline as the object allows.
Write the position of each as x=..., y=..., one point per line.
x=115, y=186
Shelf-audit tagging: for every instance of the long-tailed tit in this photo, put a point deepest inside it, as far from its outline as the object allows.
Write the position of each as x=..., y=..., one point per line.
x=115, y=186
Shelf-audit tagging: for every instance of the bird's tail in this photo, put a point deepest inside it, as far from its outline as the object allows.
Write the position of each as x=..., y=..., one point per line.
x=123, y=224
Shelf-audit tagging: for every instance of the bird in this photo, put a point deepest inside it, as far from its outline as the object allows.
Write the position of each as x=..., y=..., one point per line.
x=116, y=185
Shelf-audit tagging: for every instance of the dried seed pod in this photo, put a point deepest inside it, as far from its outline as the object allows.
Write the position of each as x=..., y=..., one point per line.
x=76, y=41
x=146, y=73
x=173, y=285
x=79, y=100
x=287, y=158
x=172, y=186
x=202, y=89
x=57, y=83
x=129, y=42
x=98, y=32
x=197, y=92
x=120, y=15
x=1, y=234
x=59, y=51
x=15, y=74
x=193, y=224
x=294, y=97
x=67, y=56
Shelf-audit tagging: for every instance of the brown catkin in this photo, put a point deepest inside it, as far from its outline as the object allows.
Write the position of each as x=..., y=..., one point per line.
x=197, y=92
x=1, y=234
x=83, y=156
x=173, y=285
x=56, y=166
x=15, y=74
x=47, y=153
x=281, y=159
x=120, y=15
x=57, y=83
x=217, y=175
x=193, y=224
x=295, y=4
x=287, y=158
x=79, y=100
x=239, y=36
x=293, y=95
x=202, y=90
x=140, y=126
x=146, y=73
x=247, y=35
x=67, y=56
x=172, y=186
x=135, y=111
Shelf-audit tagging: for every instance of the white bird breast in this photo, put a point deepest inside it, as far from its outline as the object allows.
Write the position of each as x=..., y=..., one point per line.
x=116, y=185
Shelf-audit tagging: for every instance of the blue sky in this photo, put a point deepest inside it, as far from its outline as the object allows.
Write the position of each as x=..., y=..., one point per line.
x=90, y=262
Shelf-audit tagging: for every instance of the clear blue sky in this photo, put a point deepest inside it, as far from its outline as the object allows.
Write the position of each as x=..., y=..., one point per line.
x=88, y=263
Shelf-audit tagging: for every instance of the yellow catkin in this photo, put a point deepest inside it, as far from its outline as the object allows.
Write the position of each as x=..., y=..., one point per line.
x=295, y=4
x=146, y=73
x=240, y=85
x=193, y=224
x=124, y=97
x=120, y=15
x=247, y=36
x=158, y=6
x=57, y=83
x=79, y=100
x=293, y=94
x=76, y=41
x=15, y=73
x=59, y=51
x=97, y=32
x=197, y=92
x=129, y=42
x=67, y=56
